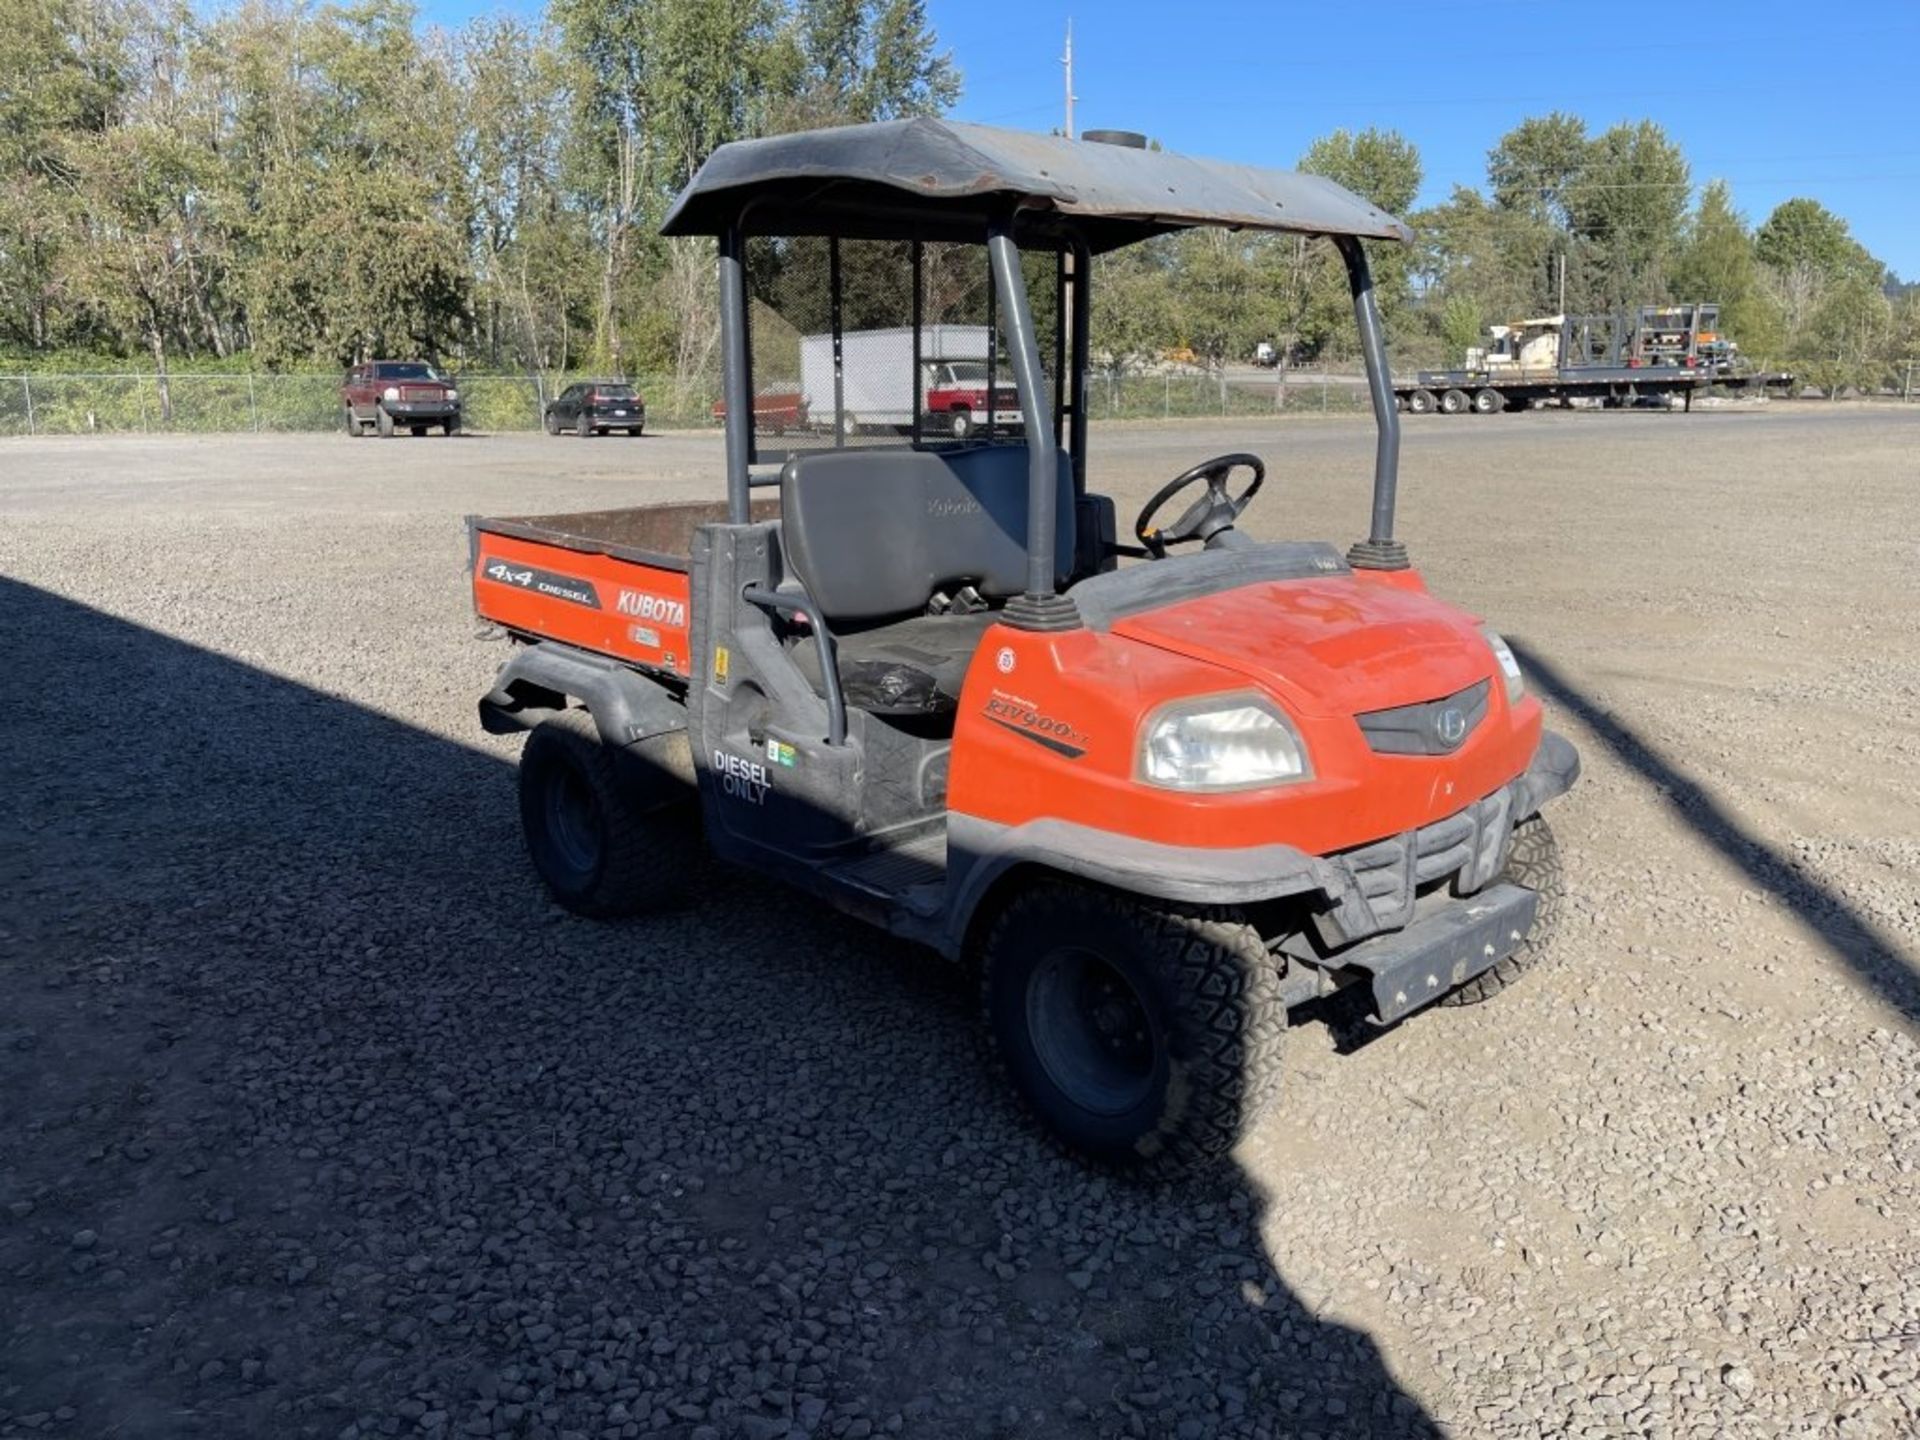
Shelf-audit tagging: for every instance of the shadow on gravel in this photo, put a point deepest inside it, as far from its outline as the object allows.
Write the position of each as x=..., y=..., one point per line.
x=1848, y=933
x=320, y=1120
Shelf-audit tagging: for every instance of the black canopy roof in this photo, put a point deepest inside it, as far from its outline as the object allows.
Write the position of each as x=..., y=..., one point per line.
x=944, y=179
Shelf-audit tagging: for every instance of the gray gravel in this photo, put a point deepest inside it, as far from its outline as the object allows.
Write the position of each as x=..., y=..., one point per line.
x=321, y=1120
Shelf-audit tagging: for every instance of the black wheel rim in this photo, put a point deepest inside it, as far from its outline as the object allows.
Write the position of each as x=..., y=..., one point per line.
x=572, y=824
x=1090, y=1032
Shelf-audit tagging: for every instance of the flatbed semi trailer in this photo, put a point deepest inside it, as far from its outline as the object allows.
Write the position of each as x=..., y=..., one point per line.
x=1485, y=392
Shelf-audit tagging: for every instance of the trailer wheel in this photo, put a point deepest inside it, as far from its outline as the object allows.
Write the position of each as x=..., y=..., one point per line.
x=1454, y=402
x=1144, y=1036
x=1488, y=402
x=601, y=848
x=1420, y=402
x=1534, y=861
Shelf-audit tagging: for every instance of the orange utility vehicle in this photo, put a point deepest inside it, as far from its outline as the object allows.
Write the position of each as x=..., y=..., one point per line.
x=1158, y=792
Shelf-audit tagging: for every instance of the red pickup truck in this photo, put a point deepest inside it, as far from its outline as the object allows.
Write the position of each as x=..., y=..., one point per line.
x=383, y=395
x=957, y=397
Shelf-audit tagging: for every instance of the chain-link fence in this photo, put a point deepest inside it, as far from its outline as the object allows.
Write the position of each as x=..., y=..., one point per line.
x=79, y=404
x=1174, y=392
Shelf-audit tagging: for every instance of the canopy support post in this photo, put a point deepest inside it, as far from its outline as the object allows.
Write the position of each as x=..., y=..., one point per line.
x=735, y=374
x=1040, y=608
x=1379, y=551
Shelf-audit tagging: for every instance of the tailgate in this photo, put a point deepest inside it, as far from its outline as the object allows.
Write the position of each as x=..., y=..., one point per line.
x=611, y=605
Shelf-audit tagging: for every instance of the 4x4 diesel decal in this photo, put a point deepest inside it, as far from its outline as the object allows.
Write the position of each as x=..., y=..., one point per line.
x=1010, y=712
x=544, y=582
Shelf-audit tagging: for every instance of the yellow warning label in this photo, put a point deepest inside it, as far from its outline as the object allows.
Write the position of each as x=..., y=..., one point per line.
x=720, y=658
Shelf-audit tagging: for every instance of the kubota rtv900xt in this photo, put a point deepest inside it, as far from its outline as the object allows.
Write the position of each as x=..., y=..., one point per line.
x=1156, y=802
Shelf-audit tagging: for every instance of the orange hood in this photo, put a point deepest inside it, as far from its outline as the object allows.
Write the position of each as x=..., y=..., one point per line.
x=1334, y=646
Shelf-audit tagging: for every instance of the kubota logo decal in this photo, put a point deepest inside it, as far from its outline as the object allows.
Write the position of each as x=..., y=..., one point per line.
x=1026, y=720
x=643, y=606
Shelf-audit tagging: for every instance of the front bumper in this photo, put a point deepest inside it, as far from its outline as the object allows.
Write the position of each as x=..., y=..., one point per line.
x=1444, y=948
x=428, y=412
x=1355, y=894
x=1375, y=887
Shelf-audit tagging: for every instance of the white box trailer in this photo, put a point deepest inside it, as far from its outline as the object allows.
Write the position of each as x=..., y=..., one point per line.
x=877, y=372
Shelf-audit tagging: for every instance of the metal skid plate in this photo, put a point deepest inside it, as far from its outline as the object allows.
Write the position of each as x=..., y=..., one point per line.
x=1443, y=949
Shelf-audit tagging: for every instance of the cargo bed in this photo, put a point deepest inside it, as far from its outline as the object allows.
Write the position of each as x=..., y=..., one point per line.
x=610, y=581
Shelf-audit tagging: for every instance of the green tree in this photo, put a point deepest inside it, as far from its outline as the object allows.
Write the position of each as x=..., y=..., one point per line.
x=1626, y=206
x=1382, y=167
x=839, y=62
x=62, y=73
x=1717, y=263
x=1805, y=232
x=1532, y=168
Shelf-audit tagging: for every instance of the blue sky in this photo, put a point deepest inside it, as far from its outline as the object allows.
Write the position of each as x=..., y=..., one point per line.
x=1777, y=99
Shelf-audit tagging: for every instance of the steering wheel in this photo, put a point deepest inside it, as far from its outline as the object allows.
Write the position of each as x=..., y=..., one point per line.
x=1206, y=517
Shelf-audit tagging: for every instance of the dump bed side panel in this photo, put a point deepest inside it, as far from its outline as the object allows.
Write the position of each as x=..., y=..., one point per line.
x=620, y=607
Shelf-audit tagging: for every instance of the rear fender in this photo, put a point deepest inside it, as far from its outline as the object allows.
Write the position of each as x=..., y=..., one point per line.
x=641, y=721
x=626, y=707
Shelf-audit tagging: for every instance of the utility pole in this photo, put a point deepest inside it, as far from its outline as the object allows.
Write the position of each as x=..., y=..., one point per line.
x=1067, y=61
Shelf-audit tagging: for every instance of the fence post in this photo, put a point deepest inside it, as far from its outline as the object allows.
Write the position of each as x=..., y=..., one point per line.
x=1323, y=387
x=26, y=384
x=1166, y=394
x=253, y=403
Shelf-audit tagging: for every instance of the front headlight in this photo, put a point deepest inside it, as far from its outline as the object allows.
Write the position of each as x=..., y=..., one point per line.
x=1222, y=742
x=392, y=392
x=452, y=394
x=1509, y=667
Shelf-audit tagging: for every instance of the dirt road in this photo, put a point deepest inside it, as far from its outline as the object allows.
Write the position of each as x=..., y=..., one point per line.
x=319, y=1119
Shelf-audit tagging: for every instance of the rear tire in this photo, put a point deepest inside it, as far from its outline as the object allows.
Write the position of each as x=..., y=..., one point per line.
x=1454, y=402
x=1488, y=402
x=1144, y=1036
x=1421, y=402
x=1533, y=861
x=601, y=848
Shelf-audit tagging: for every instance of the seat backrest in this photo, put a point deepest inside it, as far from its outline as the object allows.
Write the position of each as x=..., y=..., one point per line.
x=873, y=533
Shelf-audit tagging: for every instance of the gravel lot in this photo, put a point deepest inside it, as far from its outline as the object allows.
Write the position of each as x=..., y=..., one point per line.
x=319, y=1119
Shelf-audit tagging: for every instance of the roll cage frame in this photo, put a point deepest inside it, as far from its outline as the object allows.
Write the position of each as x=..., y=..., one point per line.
x=759, y=188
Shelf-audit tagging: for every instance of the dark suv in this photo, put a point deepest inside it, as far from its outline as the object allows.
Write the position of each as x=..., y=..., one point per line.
x=385, y=394
x=596, y=406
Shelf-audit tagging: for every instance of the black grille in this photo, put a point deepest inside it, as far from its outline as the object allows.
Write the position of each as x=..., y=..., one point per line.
x=1432, y=727
x=1384, y=877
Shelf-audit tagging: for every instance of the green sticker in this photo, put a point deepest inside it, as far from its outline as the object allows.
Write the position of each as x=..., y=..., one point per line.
x=780, y=752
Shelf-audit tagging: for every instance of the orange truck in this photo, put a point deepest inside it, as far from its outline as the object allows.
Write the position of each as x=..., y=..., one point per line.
x=1158, y=792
